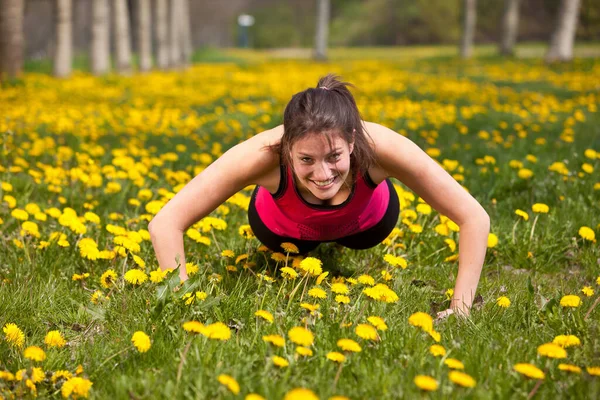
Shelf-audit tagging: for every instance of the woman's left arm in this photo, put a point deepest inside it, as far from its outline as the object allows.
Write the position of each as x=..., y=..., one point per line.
x=402, y=159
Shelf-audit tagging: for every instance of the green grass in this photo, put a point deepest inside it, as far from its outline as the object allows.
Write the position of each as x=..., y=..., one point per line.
x=533, y=270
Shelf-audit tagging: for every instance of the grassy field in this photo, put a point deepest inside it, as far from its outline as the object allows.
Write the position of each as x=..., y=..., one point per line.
x=86, y=162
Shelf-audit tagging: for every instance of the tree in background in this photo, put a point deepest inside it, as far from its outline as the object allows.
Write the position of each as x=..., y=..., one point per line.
x=100, y=46
x=468, y=33
x=11, y=38
x=175, y=42
x=63, y=52
x=162, y=34
x=122, y=36
x=144, y=35
x=186, y=33
x=322, y=31
x=563, y=37
x=510, y=27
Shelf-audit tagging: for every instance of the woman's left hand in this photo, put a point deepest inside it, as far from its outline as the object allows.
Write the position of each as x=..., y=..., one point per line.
x=444, y=314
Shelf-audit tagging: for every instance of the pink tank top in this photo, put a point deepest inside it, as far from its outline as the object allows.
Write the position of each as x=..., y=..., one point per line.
x=286, y=213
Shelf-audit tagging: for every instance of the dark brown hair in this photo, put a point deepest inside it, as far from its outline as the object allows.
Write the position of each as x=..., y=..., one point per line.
x=327, y=109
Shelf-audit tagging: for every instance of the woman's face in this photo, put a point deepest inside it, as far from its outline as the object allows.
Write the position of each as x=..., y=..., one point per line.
x=320, y=166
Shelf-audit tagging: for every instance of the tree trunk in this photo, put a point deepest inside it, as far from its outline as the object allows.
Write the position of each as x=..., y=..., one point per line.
x=122, y=36
x=322, y=33
x=175, y=34
x=63, y=53
x=100, y=37
x=162, y=34
x=11, y=38
x=469, y=21
x=563, y=36
x=186, y=32
x=510, y=27
x=144, y=35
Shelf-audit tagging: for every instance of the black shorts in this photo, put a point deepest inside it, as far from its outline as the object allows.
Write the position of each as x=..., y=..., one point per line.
x=358, y=241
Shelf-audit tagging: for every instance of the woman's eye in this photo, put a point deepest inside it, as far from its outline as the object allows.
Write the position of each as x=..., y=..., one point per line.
x=305, y=159
x=335, y=156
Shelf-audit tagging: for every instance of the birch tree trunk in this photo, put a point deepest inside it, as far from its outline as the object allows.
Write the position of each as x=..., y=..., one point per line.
x=186, y=33
x=563, y=36
x=100, y=37
x=175, y=34
x=162, y=34
x=122, y=36
x=510, y=27
x=63, y=53
x=11, y=38
x=322, y=32
x=144, y=35
x=469, y=21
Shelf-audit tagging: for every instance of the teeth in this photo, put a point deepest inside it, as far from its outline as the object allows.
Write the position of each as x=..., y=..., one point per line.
x=324, y=183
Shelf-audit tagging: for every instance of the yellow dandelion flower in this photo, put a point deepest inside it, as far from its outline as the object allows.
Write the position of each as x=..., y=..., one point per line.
x=13, y=335
x=570, y=300
x=349, y=345
x=426, y=383
x=76, y=387
x=278, y=257
x=301, y=336
x=421, y=320
x=290, y=248
x=366, y=331
x=366, y=280
x=317, y=292
x=503, y=302
x=462, y=379
x=227, y=253
x=395, y=261
x=569, y=368
x=34, y=353
x=304, y=351
x=336, y=357
x=342, y=299
x=280, y=361
x=312, y=266
x=595, y=371
x=339, y=288
x=253, y=396
x=522, y=214
x=230, y=383
x=141, y=341
x=300, y=394
x=540, y=208
x=322, y=277
x=267, y=316
x=567, y=341
x=108, y=278
x=529, y=370
x=54, y=339
x=245, y=231
x=492, y=240
x=276, y=340
x=288, y=273
x=588, y=291
x=377, y=322
x=437, y=350
x=217, y=331
x=587, y=233
x=135, y=276
x=551, y=350
x=453, y=363
x=381, y=292
x=193, y=327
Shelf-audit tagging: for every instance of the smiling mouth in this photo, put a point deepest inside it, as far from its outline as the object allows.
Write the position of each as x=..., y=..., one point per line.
x=324, y=183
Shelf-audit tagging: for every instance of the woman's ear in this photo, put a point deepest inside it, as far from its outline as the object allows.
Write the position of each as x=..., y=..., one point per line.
x=351, y=144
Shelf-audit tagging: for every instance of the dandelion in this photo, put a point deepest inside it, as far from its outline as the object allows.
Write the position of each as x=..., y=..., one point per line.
x=426, y=383
x=141, y=341
x=529, y=370
x=312, y=266
x=522, y=214
x=34, y=353
x=342, y=299
x=158, y=275
x=462, y=379
x=76, y=387
x=136, y=276
x=453, y=363
x=278, y=257
x=193, y=327
x=381, y=292
x=300, y=394
x=289, y=248
x=587, y=234
x=377, y=322
x=395, y=261
x=280, y=361
x=230, y=383
x=349, y=345
x=437, y=350
x=566, y=341
x=267, y=316
x=503, y=302
x=276, y=340
x=98, y=297
x=317, y=292
x=540, y=208
x=551, y=350
x=304, y=351
x=588, y=291
x=217, y=331
x=108, y=278
x=322, y=277
x=254, y=396
x=570, y=300
x=301, y=336
x=569, y=368
x=336, y=357
x=366, y=331
x=54, y=339
x=227, y=254
x=310, y=307
x=595, y=371
x=13, y=335
x=366, y=280
x=339, y=288
x=245, y=231
x=421, y=320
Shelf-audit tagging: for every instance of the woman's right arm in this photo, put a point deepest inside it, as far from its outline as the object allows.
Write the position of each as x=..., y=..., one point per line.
x=242, y=165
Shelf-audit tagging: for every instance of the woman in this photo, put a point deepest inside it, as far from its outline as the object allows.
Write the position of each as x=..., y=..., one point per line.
x=323, y=176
